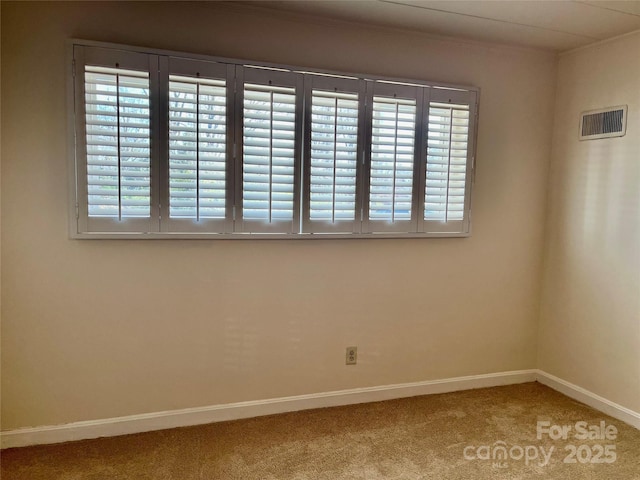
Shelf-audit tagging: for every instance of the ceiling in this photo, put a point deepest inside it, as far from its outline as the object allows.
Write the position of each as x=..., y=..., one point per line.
x=548, y=24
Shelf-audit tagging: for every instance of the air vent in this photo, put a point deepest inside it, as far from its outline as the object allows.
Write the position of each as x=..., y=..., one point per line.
x=603, y=123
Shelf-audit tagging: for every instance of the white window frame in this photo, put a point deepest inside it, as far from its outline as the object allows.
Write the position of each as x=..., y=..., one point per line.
x=162, y=63
x=342, y=85
x=113, y=59
x=454, y=97
x=266, y=77
x=171, y=65
x=408, y=92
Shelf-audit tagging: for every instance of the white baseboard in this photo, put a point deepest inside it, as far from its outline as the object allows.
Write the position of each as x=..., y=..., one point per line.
x=147, y=422
x=589, y=398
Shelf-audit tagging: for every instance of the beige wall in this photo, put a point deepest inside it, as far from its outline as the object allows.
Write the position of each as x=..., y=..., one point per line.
x=95, y=329
x=590, y=312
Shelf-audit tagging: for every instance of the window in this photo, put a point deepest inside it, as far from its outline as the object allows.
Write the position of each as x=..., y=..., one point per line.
x=171, y=145
x=394, y=158
x=332, y=152
x=271, y=112
x=196, y=136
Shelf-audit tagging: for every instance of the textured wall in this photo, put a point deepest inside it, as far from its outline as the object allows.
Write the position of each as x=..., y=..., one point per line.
x=95, y=329
x=590, y=312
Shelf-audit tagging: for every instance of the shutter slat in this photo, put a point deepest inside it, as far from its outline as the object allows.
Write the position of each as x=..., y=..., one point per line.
x=333, y=156
x=447, y=143
x=268, y=160
x=118, y=139
x=197, y=147
x=392, y=159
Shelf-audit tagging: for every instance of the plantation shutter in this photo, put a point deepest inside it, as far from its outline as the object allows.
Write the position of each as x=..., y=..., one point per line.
x=199, y=146
x=172, y=145
x=268, y=195
x=393, y=157
x=449, y=160
x=333, y=154
x=114, y=143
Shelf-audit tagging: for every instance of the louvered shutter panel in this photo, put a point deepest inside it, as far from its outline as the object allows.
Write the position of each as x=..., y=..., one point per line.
x=181, y=144
x=332, y=146
x=447, y=182
x=394, y=147
x=115, y=126
x=118, y=142
x=199, y=146
x=271, y=156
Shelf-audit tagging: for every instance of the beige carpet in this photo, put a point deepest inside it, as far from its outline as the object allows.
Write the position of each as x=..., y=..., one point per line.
x=408, y=439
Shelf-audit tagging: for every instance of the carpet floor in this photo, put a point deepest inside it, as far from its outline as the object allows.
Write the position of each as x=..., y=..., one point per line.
x=489, y=433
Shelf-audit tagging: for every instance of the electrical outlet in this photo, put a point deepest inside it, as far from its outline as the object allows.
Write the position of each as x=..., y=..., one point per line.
x=352, y=355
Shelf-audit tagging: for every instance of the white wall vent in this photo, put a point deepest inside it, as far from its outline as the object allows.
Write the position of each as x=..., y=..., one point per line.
x=603, y=123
